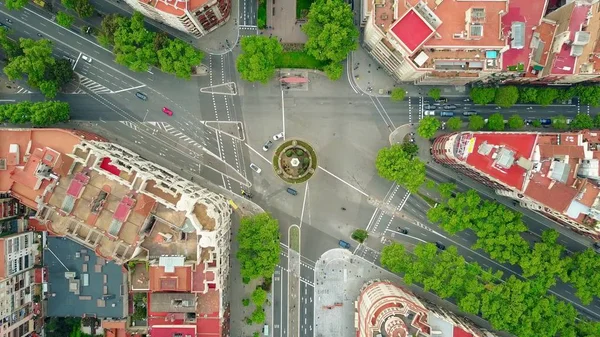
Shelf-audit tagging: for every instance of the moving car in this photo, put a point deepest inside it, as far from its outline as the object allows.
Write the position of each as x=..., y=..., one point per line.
x=255, y=168
x=278, y=136
x=344, y=244
x=69, y=59
x=167, y=111
x=446, y=114
x=402, y=230
x=429, y=112
x=429, y=107
x=141, y=96
x=546, y=121
x=450, y=106
x=470, y=113
x=86, y=58
x=440, y=245
x=267, y=145
x=442, y=100
x=291, y=191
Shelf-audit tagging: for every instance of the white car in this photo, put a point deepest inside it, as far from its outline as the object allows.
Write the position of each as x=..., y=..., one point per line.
x=255, y=168
x=86, y=58
x=278, y=136
x=429, y=112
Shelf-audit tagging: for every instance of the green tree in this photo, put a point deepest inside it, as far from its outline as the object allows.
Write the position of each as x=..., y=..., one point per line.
x=546, y=261
x=161, y=40
x=536, y=123
x=133, y=44
x=597, y=121
x=35, y=61
x=15, y=4
x=69, y=4
x=330, y=30
x=84, y=9
x=258, y=316
x=583, y=274
x=259, y=57
x=259, y=296
x=258, y=240
x=360, y=235
x=394, y=164
x=588, y=94
x=515, y=122
x=454, y=123
x=547, y=96
x=496, y=122
x=560, y=122
x=10, y=47
x=528, y=95
x=428, y=126
x=483, y=96
x=334, y=71
x=476, y=122
x=410, y=148
x=245, y=302
x=109, y=26
x=435, y=93
x=582, y=121
x=446, y=189
x=178, y=58
x=506, y=96
x=61, y=73
x=64, y=19
x=398, y=94
x=39, y=114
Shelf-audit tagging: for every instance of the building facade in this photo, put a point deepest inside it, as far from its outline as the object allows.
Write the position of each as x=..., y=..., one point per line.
x=385, y=309
x=195, y=17
x=122, y=207
x=556, y=174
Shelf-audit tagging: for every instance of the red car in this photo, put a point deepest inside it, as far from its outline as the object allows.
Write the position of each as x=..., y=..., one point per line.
x=167, y=111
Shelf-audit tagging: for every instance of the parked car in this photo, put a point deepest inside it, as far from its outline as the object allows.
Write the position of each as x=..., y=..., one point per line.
x=450, y=107
x=402, y=230
x=255, y=168
x=546, y=121
x=429, y=112
x=470, y=113
x=86, y=58
x=141, y=96
x=278, y=136
x=446, y=114
x=267, y=145
x=440, y=245
x=167, y=111
x=442, y=100
x=291, y=191
x=344, y=244
x=429, y=107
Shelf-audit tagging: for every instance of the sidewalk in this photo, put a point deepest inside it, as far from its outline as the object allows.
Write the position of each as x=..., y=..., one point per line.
x=368, y=74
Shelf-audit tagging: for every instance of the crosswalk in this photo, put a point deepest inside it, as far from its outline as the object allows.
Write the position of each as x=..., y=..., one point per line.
x=94, y=86
x=129, y=124
x=171, y=130
x=21, y=90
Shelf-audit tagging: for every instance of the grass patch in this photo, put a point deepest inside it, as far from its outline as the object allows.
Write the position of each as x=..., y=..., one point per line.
x=427, y=199
x=261, y=16
x=360, y=235
x=302, y=8
x=299, y=60
x=295, y=238
x=309, y=150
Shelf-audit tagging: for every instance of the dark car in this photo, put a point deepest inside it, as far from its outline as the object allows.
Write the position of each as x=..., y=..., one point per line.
x=450, y=107
x=596, y=247
x=440, y=245
x=546, y=121
x=291, y=191
x=470, y=113
x=141, y=96
x=402, y=230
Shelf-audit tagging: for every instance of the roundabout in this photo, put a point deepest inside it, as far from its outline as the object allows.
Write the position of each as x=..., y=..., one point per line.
x=294, y=161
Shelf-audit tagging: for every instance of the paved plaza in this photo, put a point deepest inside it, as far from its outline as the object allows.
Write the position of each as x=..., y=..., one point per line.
x=339, y=276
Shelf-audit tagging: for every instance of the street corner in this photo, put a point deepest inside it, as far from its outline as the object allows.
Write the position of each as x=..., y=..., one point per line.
x=399, y=134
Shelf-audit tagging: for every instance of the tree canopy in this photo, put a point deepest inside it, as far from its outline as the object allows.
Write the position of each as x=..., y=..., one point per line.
x=506, y=96
x=454, y=123
x=15, y=4
x=38, y=114
x=560, y=122
x=258, y=239
x=83, y=8
x=331, y=31
x=428, y=126
x=64, y=19
x=496, y=122
x=582, y=121
x=178, y=58
x=259, y=57
x=259, y=296
x=398, y=94
x=435, y=93
x=515, y=122
x=394, y=164
x=476, y=122
x=481, y=95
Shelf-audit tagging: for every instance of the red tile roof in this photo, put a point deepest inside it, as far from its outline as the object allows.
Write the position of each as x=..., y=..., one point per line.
x=170, y=331
x=521, y=143
x=564, y=63
x=458, y=332
x=179, y=280
x=412, y=30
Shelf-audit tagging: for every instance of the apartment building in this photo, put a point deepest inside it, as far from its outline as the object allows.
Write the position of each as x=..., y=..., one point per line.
x=19, y=255
x=385, y=309
x=556, y=174
x=119, y=207
x=195, y=17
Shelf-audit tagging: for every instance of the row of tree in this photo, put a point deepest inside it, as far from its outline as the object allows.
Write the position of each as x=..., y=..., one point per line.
x=498, y=232
x=33, y=59
x=140, y=49
x=38, y=114
x=521, y=307
x=507, y=96
x=258, y=252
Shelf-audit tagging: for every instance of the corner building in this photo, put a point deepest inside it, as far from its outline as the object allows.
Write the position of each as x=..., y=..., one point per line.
x=556, y=174
x=385, y=309
x=195, y=17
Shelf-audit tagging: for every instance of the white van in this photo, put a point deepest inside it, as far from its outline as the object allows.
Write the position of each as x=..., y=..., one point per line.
x=266, y=330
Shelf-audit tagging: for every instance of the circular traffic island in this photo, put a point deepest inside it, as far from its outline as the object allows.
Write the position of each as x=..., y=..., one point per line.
x=295, y=161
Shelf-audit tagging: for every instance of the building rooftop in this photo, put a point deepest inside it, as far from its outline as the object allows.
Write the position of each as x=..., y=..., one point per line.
x=97, y=286
x=518, y=26
x=566, y=56
x=495, y=154
x=180, y=279
x=412, y=30
x=176, y=7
